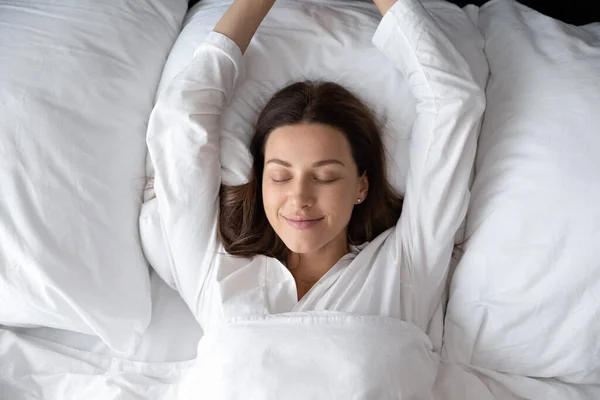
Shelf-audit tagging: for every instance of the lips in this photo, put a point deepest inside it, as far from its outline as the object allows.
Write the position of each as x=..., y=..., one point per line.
x=303, y=223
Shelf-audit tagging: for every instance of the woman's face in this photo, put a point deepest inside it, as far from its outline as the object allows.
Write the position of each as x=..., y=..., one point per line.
x=310, y=186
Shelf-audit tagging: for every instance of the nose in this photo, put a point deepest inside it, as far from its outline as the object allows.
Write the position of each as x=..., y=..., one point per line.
x=301, y=195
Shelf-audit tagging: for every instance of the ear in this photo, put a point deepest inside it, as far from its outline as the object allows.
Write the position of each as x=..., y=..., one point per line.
x=363, y=187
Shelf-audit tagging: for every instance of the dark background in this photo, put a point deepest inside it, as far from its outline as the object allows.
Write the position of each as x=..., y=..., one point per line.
x=576, y=12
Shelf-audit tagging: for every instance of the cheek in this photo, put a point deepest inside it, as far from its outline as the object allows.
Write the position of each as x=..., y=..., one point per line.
x=339, y=201
x=271, y=200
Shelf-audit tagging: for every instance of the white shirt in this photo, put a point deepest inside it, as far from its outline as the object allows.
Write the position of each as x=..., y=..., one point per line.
x=401, y=273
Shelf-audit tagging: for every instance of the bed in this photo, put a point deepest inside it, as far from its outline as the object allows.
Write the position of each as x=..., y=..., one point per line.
x=88, y=307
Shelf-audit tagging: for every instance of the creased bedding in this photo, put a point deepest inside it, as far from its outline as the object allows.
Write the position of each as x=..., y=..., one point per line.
x=172, y=335
x=33, y=368
x=334, y=355
x=77, y=84
x=525, y=298
x=307, y=354
x=328, y=355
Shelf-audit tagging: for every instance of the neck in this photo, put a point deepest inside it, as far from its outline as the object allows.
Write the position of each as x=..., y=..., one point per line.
x=308, y=268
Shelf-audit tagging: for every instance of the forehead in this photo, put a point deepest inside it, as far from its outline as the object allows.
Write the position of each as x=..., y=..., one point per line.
x=310, y=142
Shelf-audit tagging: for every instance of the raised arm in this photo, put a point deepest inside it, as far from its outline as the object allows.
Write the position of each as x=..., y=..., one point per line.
x=450, y=105
x=384, y=5
x=242, y=19
x=183, y=142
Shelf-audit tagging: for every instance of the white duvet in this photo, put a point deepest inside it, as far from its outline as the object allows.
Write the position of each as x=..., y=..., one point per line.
x=329, y=355
x=301, y=356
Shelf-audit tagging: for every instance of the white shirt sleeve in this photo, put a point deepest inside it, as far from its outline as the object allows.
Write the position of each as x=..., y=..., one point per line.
x=450, y=105
x=183, y=143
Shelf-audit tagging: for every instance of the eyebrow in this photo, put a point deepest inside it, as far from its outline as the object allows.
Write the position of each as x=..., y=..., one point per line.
x=315, y=165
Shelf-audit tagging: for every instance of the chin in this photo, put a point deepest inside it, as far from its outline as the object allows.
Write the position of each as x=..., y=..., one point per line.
x=300, y=246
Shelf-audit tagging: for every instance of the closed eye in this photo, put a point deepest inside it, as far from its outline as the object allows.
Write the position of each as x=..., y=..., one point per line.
x=326, y=181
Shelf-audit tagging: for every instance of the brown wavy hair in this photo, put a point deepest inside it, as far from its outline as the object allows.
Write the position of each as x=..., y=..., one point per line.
x=243, y=227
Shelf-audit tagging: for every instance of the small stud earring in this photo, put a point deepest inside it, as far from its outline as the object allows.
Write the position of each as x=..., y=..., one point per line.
x=359, y=200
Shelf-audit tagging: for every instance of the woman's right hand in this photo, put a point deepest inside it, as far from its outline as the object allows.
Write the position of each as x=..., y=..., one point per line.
x=242, y=19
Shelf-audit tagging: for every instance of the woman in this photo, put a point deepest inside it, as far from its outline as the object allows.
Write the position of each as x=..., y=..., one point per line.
x=317, y=227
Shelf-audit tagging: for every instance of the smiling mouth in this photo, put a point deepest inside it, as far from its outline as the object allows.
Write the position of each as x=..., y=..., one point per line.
x=303, y=224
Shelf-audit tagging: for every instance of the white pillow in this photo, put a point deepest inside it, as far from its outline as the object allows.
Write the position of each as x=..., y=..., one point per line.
x=78, y=80
x=320, y=39
x=525, y=298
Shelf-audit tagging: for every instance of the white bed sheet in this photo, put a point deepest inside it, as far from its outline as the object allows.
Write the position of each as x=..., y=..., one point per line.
x=33, y=368
x=172, y=336
x=45, y=363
